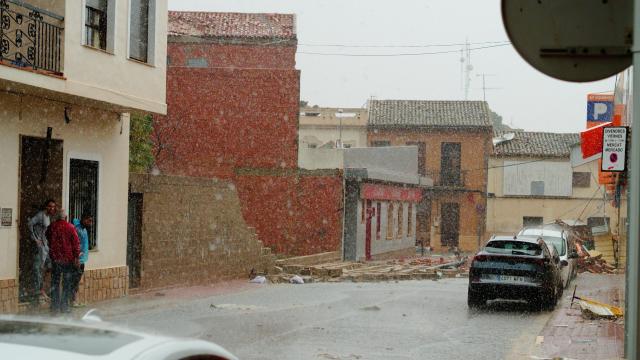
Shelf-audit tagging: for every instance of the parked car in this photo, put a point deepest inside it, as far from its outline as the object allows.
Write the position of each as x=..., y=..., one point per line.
x=59, y=339
x=564, y=242
x=518, y=268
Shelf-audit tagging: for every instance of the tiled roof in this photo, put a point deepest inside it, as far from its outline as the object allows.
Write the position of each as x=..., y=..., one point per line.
x=419, y=113
x=526, y=143
x=232, y=25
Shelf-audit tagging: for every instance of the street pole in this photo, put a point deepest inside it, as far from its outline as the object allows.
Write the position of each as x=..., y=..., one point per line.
x=633, y=245
x=340, y=128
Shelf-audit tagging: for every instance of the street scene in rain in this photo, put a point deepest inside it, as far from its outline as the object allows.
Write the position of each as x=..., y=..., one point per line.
x=337, y=180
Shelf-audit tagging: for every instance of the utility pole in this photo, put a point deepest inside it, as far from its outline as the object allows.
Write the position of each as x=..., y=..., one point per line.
x=632, y=320
x=484, y=85
x=340, y=111
x=466, y=68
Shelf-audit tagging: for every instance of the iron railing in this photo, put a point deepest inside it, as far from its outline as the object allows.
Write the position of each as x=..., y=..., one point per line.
x=27, y=40
x=450, y=179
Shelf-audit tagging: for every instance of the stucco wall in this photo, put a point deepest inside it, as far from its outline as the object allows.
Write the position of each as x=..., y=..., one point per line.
x=504, y=214
x=321, y=134
x=91, y=134
x=98, y=75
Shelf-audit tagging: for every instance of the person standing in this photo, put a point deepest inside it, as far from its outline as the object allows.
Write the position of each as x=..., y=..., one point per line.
x=82, y=226
x=64, y=247
x=38, y=225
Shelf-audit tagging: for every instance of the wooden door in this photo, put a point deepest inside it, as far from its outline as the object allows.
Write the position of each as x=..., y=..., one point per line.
x=450, y=224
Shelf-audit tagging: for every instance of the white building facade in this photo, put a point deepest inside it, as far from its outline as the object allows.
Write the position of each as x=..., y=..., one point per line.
x=71, y=74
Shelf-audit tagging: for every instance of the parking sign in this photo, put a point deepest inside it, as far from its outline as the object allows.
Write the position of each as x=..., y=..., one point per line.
x=599, y=108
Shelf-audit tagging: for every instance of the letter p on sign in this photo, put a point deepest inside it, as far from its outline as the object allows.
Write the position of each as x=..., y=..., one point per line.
x=600, y=110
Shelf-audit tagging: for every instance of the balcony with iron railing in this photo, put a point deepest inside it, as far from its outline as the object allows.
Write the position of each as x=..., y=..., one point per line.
x=31, y=37
x=448, y=179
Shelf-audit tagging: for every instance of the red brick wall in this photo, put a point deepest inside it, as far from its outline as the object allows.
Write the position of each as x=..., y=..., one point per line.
x=293, y=214
x=238, y=56
x=220, y=119
x=241, y=112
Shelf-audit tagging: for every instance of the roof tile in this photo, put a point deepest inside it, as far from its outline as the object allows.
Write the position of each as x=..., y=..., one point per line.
x=427, y=113
x=527, y=143
x=231, y=25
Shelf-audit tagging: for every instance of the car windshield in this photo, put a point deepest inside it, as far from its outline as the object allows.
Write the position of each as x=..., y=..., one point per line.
x=64, y=337
x=557, y=242
x=513, y=247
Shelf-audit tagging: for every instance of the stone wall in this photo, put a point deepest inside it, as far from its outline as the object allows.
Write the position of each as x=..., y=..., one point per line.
x=8, y=296
x=193, y=232
x=103, y=284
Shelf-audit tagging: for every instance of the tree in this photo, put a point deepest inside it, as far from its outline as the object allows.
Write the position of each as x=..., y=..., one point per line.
x=497, y=119
x=304, y=103
x=141, y=157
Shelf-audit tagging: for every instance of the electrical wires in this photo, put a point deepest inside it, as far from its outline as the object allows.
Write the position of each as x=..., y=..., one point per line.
x=399, y=54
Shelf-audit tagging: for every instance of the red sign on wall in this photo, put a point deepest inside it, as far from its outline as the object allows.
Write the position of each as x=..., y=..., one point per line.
x=392, y=193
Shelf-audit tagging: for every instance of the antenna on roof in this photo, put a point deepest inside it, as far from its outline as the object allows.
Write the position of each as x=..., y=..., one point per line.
x=466, y=62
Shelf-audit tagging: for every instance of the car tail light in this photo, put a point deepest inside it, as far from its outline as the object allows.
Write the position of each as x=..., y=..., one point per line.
x=479, y=258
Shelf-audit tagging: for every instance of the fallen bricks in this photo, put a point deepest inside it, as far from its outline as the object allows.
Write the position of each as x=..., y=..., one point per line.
x=373, y=271
x=595, y=265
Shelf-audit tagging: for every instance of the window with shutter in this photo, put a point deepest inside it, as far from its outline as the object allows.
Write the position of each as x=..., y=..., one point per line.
x=96, y=23
x=139, y=30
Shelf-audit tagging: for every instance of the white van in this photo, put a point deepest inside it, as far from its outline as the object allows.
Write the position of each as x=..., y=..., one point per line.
x=556, y=235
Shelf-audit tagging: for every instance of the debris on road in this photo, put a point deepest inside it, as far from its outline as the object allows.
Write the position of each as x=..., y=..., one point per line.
x=258, y=280
x=595, y=265
x=418, y=268
x=592, y=309
x=296, y=280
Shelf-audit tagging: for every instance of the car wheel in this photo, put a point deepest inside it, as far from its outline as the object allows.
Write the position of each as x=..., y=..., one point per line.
x=474, y=299
x=548, y=300
x=560, y=292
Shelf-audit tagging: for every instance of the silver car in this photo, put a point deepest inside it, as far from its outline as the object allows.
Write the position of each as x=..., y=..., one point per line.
x=557, y=236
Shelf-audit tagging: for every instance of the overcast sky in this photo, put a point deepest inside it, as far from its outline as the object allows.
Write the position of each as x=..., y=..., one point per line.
x=525, y=98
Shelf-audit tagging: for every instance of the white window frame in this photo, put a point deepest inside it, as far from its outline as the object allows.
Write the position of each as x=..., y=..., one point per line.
x=111, y=26
x=151, y=34
x=67, y=176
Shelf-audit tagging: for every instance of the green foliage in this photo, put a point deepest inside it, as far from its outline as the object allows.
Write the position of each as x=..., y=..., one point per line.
x=140, y=145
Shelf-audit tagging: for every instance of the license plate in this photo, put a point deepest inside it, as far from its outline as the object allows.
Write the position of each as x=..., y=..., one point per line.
x=506, y=278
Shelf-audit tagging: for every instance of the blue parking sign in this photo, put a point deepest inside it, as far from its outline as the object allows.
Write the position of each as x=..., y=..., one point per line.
x=599, y=109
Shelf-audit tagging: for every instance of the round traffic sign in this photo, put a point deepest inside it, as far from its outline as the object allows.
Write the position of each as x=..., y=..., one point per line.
x=572, y=40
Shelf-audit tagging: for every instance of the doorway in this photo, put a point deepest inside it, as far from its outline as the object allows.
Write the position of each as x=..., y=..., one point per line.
x=134, y=239
x=450, y=224
x=41, y=162
x=370, y=213
x=423, y=223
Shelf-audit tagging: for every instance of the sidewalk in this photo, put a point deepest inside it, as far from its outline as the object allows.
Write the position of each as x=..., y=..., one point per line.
x=568, y=335
x=140, y=301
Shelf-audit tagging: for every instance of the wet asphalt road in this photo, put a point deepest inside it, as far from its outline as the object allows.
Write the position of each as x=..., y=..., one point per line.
x=403, y=320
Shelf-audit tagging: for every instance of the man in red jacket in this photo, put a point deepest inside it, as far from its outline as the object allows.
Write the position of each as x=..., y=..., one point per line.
x=64, y=251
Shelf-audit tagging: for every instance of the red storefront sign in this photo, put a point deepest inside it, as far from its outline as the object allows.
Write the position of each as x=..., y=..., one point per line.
x=392, y=193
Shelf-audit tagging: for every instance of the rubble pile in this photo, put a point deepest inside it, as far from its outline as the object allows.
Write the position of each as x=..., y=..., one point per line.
x=419, y=268
x=595, y=265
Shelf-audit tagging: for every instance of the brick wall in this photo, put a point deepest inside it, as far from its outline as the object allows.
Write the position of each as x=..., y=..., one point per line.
x=9, y=296
x=221, y=119
x=193, y=232
x=241, y=111
x=220, y=55
x=104, y=284
x=293, y=212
